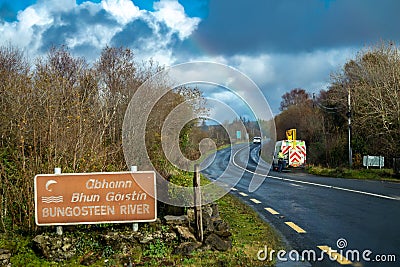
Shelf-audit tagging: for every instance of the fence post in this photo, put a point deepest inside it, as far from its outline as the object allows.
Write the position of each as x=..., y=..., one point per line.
x=135, y=226
x=59, y=229
x=197, y=204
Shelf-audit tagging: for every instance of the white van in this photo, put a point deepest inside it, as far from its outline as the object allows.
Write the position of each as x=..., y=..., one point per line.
x=294, y=151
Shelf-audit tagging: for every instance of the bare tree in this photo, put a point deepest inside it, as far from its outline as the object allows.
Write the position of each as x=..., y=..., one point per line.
x=373, y=81
x=295, y=97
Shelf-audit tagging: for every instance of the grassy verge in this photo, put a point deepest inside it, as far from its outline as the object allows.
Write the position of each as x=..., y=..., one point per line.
x=249, y=232
x=249, y=235
x=362, y=174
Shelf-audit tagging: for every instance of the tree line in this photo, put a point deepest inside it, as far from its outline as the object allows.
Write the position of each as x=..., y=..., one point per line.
x=61, y=111
x=366, y=90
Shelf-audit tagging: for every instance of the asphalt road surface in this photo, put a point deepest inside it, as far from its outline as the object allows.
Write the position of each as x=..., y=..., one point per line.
x=328, y=221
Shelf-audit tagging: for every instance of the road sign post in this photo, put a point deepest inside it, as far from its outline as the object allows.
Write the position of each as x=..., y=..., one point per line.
x=59, y=229
x=90, y=198
x=135, y=226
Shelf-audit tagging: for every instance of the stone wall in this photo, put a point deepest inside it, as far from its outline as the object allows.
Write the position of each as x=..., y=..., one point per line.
x=171, y=230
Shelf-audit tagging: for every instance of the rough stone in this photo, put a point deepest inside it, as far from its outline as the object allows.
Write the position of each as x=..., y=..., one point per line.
x=208, y=226
x=128, y=243
x=222, y=228
x=156, y=225
x=5, y=256
x=54, y=247
x=215, y=211
x=66, y=247
x=41, y=244
x=174, y=210
x=146, y=239
x=176, y=220
x=190, y=214
x=157, y=235
x=169, y=236
x=217, y=243
x=185, y=233
x=207, y=211
x=187, y=248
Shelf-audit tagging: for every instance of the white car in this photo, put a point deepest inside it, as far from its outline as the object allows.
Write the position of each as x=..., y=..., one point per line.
x=257, y=140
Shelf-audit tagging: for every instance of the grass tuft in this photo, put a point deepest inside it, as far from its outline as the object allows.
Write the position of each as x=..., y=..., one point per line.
x=362, y=174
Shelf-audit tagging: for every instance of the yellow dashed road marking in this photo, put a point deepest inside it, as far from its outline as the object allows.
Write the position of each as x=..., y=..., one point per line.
x=296, y=227
x=335, y=255
x=243, y=194
x=272, y=211
x=255, y=200
x=233, y=189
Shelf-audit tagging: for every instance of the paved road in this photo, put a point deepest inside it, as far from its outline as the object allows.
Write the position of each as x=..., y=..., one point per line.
x=317, y=213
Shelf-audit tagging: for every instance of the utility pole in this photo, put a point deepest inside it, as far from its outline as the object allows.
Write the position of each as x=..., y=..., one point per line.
x=349, y=126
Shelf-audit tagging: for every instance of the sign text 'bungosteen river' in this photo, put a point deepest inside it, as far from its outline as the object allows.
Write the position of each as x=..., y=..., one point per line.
x=87, y=198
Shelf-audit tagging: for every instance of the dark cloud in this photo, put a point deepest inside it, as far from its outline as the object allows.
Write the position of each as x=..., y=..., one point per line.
x=84, y=17
x=291, y=26
x=56, y=36
x=280, y=44
x=132, y=34
x=86, y=50
x=58, y=33
x=138, y=34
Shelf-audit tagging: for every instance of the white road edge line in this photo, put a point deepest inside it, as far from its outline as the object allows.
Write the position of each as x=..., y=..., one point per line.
x=311, y=183
x=333, y=187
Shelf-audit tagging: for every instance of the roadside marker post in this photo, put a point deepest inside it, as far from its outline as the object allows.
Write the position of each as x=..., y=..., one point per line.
x=59, y=229
x=135, y=226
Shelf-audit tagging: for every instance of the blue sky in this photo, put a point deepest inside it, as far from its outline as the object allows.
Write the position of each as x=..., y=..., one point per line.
x=279, y=44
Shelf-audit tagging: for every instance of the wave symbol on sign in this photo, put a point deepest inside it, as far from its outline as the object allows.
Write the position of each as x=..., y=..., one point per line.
x=52, y=199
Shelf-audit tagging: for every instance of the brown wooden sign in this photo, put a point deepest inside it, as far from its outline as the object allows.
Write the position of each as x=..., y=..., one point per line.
x=89, y=198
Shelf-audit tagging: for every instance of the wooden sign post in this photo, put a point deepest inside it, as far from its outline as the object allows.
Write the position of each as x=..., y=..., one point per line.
x=197, y=204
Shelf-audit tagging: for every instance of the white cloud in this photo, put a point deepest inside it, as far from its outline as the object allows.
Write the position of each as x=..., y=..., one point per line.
x=98, y=36
x=21, y=32
x=225, y=96
x=173, y=15
x=91, y=7
x=259, y=68
x=306, y=70
x=61, y=22
x=31, y=22
x=58, y=6
x=123, y=11
x=54, y=22
x=31, y=16
x=276, y=74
